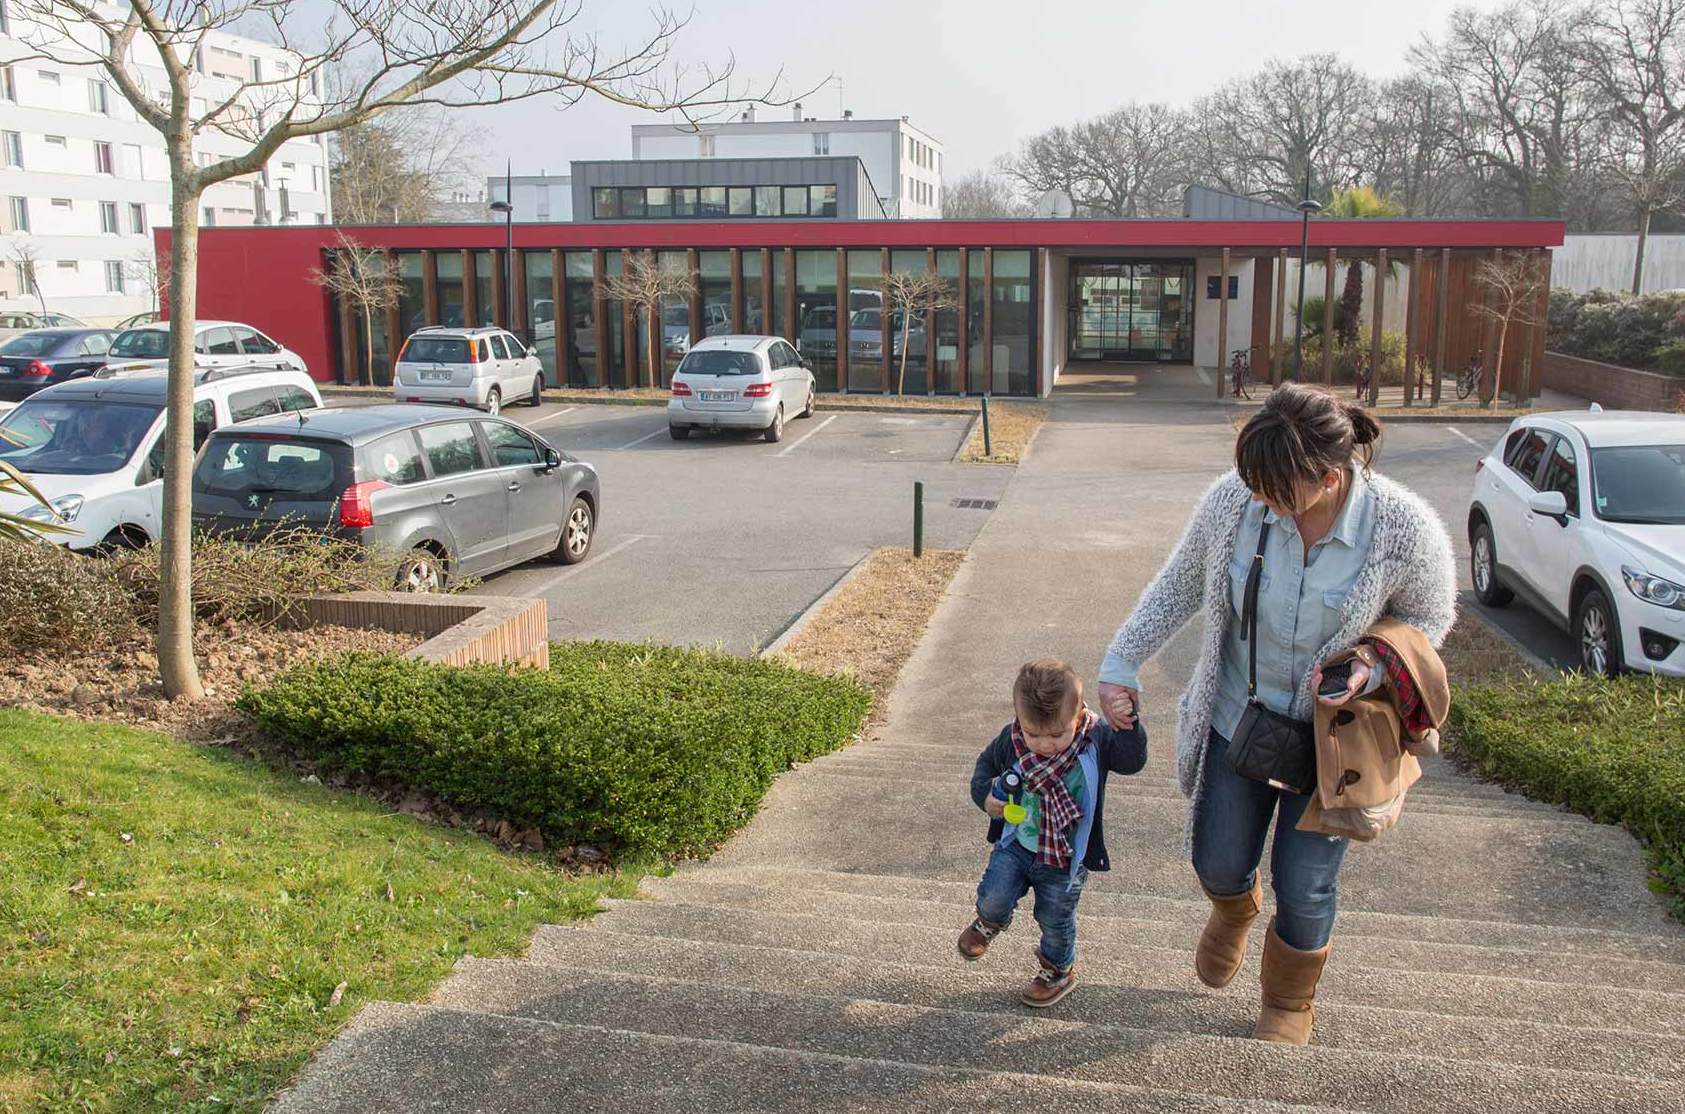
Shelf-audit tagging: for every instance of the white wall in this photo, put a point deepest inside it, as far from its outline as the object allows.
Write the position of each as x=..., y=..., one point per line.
x=1207, y=351
x=1591, y=262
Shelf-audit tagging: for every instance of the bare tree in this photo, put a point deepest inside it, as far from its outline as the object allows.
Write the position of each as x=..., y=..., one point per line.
x=148, y=270
x=1130, y=162
x=916, y=292
x=1512, y=283
x=1636, y=60
x=358, y=275
x=400, y=167
x=457, y=54
x=650, y=287
x=25, y=256
x=981, y=195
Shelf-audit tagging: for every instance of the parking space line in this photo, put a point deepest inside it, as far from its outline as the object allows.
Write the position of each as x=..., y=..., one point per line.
x=550, y=581
x=639, y=441
x=798, y=442
x=1466, y=437
x=550, y=417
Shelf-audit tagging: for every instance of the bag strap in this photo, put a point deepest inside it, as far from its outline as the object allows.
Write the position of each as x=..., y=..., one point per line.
x=1249, y=611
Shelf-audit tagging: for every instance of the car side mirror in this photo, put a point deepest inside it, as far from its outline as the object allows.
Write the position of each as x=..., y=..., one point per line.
x=532, y=349
x=1551, y=504
x=552, y=460
x=806, y=363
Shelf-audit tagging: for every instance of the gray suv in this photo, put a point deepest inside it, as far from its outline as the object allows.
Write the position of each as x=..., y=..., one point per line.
x=445, y=495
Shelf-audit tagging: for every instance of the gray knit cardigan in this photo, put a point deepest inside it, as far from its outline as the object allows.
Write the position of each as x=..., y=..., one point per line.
x=1410, y=575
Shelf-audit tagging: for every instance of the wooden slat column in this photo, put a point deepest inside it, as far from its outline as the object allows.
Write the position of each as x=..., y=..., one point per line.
x=599, y=299
x=768, y=321
x=1280, y=302
x=929, y=331
x=518, y=305
x=470, y=290
x=394, y=327
x=842, y=320
x=1536, y=334
x=988, y=368
x=429, y=288
x=1412, y=322
x=962, y=373
x=559, y=319
x=884, y=317
x=693, y=265
x=499, y=284
x=349, y=349
x=1222, y=320
x=1442, y=327
x=633, y=373
x=1328, y=320
x=1375, y=326
x=790, y=332
x=737, y=290
x=1490, y=373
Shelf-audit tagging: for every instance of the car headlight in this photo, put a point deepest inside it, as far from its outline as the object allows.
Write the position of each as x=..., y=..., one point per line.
x=1653, y=589
x=64, y=509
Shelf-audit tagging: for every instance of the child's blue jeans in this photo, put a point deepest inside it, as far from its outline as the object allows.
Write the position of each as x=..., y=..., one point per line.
x=1012, y=872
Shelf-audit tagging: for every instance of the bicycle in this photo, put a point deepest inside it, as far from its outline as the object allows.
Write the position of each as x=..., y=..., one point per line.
x=1240, y=373
x=1362, y=373
x=1468, y=380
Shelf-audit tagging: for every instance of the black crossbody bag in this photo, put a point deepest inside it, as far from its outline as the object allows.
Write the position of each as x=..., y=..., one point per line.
x=1268, y=746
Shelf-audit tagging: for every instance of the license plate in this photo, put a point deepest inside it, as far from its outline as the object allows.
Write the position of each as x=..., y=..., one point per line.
x=436, y=376
x=718, y=396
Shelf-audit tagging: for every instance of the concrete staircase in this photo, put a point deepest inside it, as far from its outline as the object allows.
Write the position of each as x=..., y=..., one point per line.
x=1492, y=954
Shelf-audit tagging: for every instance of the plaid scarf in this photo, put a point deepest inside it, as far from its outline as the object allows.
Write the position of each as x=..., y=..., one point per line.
x=1045, y=777
x=1405, y=696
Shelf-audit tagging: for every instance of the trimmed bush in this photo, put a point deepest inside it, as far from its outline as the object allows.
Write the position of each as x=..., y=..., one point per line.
x=641, y=749
x=1613, y=750
x=1618, y=328
x=51, y=597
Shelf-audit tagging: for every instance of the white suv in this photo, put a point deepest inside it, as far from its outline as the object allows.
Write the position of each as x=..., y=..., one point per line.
x=95, y=446
x=215, y=344
x=483, y=367
x=1583, y=515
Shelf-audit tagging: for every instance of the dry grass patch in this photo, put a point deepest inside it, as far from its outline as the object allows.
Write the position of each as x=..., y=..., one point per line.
x=1012, y=426
x=1475, y=654
x=869, y=629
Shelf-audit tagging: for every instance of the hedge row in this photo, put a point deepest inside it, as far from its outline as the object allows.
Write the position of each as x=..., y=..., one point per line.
x=635, y=748
x=1613, y=750
x=1645, y=332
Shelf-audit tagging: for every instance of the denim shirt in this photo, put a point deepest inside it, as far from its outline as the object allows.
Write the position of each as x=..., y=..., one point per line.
x=1299, y=600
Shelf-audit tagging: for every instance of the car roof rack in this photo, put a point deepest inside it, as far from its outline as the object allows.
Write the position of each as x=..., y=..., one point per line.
x=213, y=374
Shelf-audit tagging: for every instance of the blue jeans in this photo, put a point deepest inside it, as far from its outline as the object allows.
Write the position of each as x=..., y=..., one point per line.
x=1013, y=871
x=1230, y=823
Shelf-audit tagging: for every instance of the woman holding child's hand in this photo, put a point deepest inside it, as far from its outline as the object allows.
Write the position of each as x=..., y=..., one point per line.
x=1304, y=534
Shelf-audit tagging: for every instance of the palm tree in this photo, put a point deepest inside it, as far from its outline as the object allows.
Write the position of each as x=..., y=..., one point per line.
x=1358, y=203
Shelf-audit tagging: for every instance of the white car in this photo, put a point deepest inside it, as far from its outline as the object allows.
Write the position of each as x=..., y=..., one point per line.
x=739, y=382
x=215, y=344
x=483, y=367
x=1582, y=514
x=95, y=446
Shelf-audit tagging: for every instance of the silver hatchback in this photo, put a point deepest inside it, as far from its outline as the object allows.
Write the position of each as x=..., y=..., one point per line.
x=740, y=382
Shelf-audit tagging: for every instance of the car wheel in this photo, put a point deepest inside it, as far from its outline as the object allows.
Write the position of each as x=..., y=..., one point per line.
x=1483, y=569
x=679, y=432
x=1598, y=632
x=775, y=432
x=120, y=539
x=421, y=571
x=577, y=533
x=494, y=401
x=808, y=411
x=537, y=396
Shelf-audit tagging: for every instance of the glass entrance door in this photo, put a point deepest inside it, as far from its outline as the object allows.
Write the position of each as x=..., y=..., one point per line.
x=1132, y=310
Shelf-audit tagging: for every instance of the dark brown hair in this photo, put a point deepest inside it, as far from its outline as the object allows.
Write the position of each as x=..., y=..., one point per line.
x=1046, y=693
x=1302, y=434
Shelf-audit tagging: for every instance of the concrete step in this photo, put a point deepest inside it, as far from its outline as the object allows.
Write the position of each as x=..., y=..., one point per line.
x=410, y=1059
x=1032, y=1043
x=1120, y=962
x=992, y=987
x=1539, y=964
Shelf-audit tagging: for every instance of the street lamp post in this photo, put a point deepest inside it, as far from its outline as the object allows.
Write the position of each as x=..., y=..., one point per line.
x=508, y=211
x=1306, y=207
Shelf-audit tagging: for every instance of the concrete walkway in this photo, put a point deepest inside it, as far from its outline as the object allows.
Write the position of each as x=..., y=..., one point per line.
x=1492, y=954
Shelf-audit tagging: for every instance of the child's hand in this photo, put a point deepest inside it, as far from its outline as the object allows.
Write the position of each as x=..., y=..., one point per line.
x=994, y=806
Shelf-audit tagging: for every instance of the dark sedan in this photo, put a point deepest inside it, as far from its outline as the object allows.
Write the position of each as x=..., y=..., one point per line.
x=43, y=357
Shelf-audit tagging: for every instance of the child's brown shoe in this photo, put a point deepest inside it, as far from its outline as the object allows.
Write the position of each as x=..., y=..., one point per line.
x=1049, y=985
x=974, y=941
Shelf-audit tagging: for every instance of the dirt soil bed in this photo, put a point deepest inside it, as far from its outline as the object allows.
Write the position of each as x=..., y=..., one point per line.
x=121, y=684
x=1012, y=426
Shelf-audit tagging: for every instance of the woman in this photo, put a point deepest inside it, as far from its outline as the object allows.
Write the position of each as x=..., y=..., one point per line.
x=1344, y=548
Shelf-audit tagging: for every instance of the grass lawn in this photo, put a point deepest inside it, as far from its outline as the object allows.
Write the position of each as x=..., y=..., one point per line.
x=174, y=921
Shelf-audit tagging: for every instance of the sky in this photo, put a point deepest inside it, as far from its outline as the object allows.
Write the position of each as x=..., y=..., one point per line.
x=980, y=76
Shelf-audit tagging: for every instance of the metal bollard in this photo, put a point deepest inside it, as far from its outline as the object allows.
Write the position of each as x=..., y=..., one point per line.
x=918, y=518
x=988, y=445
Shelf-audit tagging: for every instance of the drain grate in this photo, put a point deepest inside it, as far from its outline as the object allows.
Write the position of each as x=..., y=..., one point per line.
x=974, y=504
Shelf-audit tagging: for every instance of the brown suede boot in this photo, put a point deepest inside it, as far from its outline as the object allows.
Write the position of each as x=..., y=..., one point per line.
x=1222, y=946
x=1049, y=985
x=974, y=941
x=1289, y=978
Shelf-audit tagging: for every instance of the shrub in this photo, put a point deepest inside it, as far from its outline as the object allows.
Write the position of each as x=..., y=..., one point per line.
x=1616, y=328
x=1611, y=749
x=51, y=597
x=1345, y=358
x=640, y=749
x=1670, y=358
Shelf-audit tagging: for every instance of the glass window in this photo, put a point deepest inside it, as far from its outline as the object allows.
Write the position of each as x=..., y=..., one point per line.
x=616, y=363
x=294, y=399
x=907, y=336
x=242, y=336
x=714, y=285
x=72, y=436
x=541, y=312
x=14, y=149
x=795, y=201
x=95, y=344
x=1563, y=474
x=394, y=460
x=253, y=341
x=821, y=143
x=498, y=347
x=451, y=448
x=204, y=420
x=142, y=344
x=486, y=309
x=768, y=201
x=1639, y=484
x=816, y=313
x=581, y=367
x=1013, y=317
x=711, y=202
x=684, y=202
x=220, y=342
x=632, y=202
x=742, y=201
x=294, y=471
x=754, y=313
x=948, y=339
x=509, y=446
x=258, y=402
x=137, y=218
x=448, y=267
x=435, y=350
x=658, y=202
x=605, y=203
x=976, y=299
x=1525, y=461
x=866, y=355
x=823, y=201
x=720, y=361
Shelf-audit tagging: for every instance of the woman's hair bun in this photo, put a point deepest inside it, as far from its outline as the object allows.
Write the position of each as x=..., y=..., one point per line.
x=1365, y=429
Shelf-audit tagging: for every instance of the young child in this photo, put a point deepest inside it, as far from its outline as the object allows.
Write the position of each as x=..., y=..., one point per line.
x=1057, y=754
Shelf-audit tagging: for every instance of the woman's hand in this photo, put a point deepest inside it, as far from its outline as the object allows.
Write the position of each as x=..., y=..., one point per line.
x=1358, y=681
x=1121, y=706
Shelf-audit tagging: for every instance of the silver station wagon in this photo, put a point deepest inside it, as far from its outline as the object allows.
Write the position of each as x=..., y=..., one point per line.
x=739, y=382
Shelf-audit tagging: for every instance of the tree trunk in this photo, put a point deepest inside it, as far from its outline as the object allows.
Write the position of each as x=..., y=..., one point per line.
x=178, y=670
x=1638, y=256
x=906, y=331
x=1498, y=365
x=35, y=281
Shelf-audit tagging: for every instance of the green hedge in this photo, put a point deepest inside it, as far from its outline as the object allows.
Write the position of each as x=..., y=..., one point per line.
x=1611, y=749
x=638, y=749
x=1644, y=332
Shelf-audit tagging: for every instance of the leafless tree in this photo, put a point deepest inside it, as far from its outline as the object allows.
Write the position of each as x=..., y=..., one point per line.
x=981, y=195
x=148, y=270
x=25, y=257
x=1636, y=61
x=456, y=54
x=1130, y=162
x=400, y=167
x=1512, y=284
x=649, y=287
x=907, y=293
x=358, y=275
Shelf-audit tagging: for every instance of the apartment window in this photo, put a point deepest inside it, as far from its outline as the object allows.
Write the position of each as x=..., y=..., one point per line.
x=102, y=159
x=257, y=69
x=705, y=146
x=108, y=217
x=18, y=210
x=199, y=60
x=68, y=265
x=909, y=146
x=137, y=218
x=821, y=143
x=133, y=167
x=25, y=275
x=8, y=85
x=55, y=140
x=99, y=97
x=61, y=203
x=712, y=202
x=13, y=142
x=208, y=220
x=316, y=179
x=113, y=276
x=289, y=168
x=314, y=89
x=5, y=19
x=50, y=77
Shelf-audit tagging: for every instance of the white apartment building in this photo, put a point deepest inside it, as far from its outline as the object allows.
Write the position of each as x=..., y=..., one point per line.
x=904, y=162
x=84, y=181
x=537, y=197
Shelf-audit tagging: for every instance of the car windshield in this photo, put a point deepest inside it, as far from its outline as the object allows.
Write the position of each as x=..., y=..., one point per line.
x=866, y=319
x=142, y=344
x=296, y=471
x=719, y=361
x=78, y=437
x=32, y=344
x=822, y=317
x=1640, y=484
x=436, y=350
x=676, y=315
